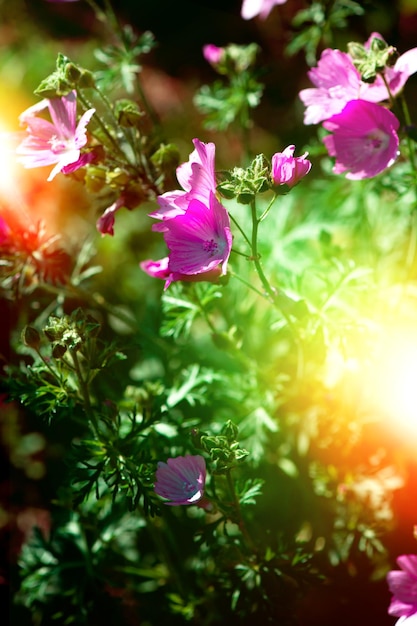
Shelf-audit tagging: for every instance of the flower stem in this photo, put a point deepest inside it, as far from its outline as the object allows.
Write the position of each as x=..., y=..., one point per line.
x=85, y=393
x=238, y=513
x=248, y=284
x=410, y=145
x=87, y=104
x=268, y=208
x=203, y=310
x=256, y=256
x=242, y=232
x=279, y=300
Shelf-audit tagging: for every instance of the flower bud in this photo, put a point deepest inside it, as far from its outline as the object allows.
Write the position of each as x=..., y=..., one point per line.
x=230, y=430
x=31, y=337
x=58, y=351
x=372, y=58
x=213, y=54
x=287, y=169
x=128, y=113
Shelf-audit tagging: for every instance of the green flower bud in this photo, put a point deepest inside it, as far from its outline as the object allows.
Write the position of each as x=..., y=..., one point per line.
x=357, y=51
x=373, y=60
x=31, y=337
x=166, y=157
x=230, y=430
x=245, y=197
x=58, y=351
x=241, y=454
x=117, y=177
x=208, y=442
x=54, y=86
x=128, y=113
x=95, y=178
x=52, y=332
x=77, y=76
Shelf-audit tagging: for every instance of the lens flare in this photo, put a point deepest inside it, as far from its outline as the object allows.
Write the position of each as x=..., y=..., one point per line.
x=378, y=372
x=393, y=380
x=8, y=165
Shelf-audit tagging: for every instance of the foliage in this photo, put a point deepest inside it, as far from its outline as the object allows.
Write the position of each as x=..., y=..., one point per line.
x=259, y=371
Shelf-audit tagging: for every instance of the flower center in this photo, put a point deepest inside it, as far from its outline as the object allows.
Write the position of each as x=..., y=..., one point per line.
x=210, y=246
x=57, y=144
x=189, y=488
x=377, y=140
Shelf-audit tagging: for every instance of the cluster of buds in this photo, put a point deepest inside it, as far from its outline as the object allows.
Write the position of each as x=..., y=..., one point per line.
x=372, y=58
x=284, y=172
x=71, y=332
x=232, y=59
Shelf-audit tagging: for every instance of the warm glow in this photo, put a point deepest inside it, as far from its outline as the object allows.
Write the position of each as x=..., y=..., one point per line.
x=393, y=380
x=8, y=166
x=378, y=373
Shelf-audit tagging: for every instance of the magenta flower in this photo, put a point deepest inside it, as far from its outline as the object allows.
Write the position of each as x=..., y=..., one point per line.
x=4, y=231
x=364, y=139
x=196, y=227
x=181, y=480
x=59, y=142
x=199, y=240
x=160, y=269
x=252, y=8
x=403, y=585
x=212, y=54
x=196, y=177
x=336, y=81
x=287, y=169
x=157, y=269
x=105, y=223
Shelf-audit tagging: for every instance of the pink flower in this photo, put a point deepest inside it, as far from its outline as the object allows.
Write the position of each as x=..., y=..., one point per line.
x=364, y=139
x=160, y=269
x=251, y=8
x=213, y=54
x=336, y=81
x=403, y=585
x=196, y=177
x=105, y=223
x=59, y=142
x=5, y=231
x=181, y=480
x=287, y=169
x=156, y=269
x=199, y=240
x=196, y=227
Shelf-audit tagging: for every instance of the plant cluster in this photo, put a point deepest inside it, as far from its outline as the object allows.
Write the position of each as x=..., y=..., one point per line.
x=197, y=415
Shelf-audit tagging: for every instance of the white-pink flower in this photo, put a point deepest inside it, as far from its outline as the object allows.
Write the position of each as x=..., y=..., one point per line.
x=57, y=142
x=364, y=139
x=336, y=81
x=252, y=8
